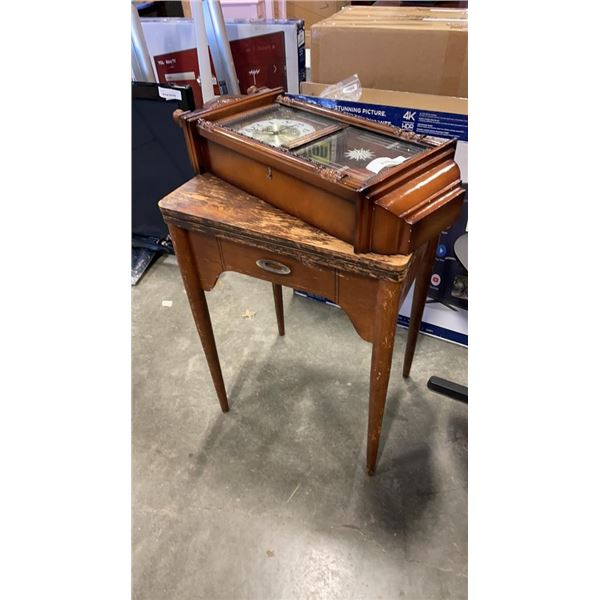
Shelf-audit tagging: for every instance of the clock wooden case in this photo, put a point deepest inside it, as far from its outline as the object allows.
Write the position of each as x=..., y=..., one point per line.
x=377, y=187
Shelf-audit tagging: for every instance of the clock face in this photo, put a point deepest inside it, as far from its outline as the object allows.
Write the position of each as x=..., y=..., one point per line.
x=277, y=132
x=277, y=125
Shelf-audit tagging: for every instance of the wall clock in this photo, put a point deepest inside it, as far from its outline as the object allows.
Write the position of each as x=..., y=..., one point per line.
x=379, y=188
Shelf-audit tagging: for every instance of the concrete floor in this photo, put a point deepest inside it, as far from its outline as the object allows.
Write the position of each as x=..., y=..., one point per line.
x=271, y=501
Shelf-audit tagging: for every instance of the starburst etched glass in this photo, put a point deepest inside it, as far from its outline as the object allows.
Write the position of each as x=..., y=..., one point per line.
x=358, y=154
x=361, y=153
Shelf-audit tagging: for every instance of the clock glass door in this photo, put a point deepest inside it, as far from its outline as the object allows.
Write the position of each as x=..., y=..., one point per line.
x=362, y=154
x=281, y=126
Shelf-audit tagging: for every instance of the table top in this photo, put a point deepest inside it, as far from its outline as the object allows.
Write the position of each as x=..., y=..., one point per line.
x=207, y=202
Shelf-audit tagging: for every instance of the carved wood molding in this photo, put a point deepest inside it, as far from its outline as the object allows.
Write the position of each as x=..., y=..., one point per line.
x=205, y=125
x=330, y=173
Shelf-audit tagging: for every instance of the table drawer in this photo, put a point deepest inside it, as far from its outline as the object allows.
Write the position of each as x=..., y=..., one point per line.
x=277, y=268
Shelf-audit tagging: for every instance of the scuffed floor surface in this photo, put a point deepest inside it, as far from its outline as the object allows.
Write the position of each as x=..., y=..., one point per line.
x=272, y=501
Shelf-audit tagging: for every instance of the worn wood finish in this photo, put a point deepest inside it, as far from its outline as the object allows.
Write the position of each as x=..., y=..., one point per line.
x=384, y=326
x=216, y=227
x=207, y=203
x=197, y=300
x=278, y=298
x=418, y=304
x=266, y=182
x=393, y=212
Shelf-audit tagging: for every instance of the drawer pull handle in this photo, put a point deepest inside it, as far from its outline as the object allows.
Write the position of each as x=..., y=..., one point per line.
x=272, y=266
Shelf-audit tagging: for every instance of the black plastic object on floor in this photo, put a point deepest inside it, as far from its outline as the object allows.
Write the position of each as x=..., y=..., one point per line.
x=448, y=388
x=141, y=259
x=144, y=250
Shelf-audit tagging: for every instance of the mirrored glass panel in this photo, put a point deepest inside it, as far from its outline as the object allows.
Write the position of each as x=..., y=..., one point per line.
x=362, y=153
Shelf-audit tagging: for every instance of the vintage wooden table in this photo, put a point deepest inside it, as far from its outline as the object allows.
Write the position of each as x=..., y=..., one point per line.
x=216, y=227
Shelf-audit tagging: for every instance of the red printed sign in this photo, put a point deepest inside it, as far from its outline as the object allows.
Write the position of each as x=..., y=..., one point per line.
x=260, y=61
x=182, y=68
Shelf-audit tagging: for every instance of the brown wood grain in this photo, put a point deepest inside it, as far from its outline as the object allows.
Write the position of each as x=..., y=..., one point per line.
x=206, y=201
x=422, y=279
x=193, y=287
x=387, y=302
x=392, y=212
x=278, y=299
x=216, y=227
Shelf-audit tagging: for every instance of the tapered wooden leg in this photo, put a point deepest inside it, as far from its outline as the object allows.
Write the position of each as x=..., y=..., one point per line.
x=197, y=300
x=422, y=280
x=384, y=333
x=278, y=297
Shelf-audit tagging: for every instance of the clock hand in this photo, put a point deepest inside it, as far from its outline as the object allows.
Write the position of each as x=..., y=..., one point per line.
x=271, y=132
x=286, y=127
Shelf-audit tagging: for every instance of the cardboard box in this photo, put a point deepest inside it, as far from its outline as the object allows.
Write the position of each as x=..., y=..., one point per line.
x=392, y=48
x=445, y=314
x=311, y=12
x=416, y=13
